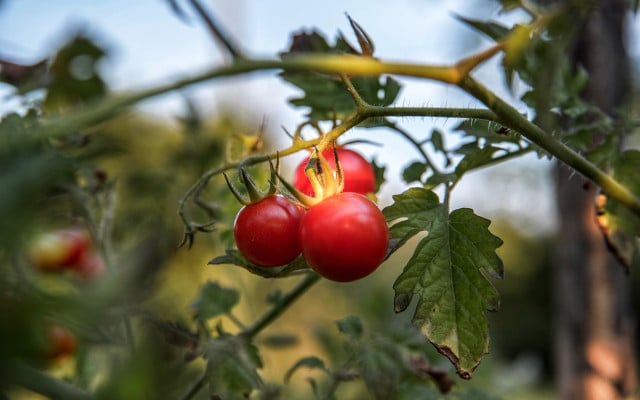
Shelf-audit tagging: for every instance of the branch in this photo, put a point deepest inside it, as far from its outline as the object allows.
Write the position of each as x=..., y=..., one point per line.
x=514, y=120
x=217, y=31
x=21, y=374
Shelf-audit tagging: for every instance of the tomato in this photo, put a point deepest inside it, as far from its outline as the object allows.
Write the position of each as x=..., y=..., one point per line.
x=60, y=341
x=344, y=237
x=60, y=249
x=90, y=266
x=357, y=172
x=266, y=232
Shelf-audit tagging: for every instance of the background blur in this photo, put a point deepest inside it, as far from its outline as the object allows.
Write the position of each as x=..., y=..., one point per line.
x=147, y=44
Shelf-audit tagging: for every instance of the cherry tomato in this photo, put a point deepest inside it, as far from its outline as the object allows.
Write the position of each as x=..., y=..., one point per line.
x=60, y=249
x=266, y=232
x=61, y=341
x=344, y=237
x=356, y=170
x=90, y=266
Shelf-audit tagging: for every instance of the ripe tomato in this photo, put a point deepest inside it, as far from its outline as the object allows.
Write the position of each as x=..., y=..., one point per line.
x=60, y=249
x=61, y=341
x=356, y=170
x=266, y=232
x=344, y=237
x=90, y=266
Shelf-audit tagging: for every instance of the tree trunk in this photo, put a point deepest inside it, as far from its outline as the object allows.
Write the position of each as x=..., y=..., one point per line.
x=594, y=343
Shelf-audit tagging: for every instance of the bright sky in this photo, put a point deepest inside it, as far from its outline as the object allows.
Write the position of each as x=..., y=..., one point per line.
x=150, y=45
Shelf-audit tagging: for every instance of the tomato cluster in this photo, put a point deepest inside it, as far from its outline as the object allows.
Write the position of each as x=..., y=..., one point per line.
x=66, y=249
x=344, y=237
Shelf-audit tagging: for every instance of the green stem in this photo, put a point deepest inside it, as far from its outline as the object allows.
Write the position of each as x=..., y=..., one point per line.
x=23, y=375
x=512, y=118
x=281, y=305
x=354, y=66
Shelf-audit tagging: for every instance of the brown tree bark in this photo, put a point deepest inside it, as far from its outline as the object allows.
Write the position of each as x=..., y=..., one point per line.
x=594, y=341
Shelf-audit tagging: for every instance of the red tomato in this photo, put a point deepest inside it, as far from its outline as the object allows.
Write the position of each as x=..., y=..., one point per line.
x=61, y=341
x=90, y=266
x=60, y=249
x=266, y=232
x=344, y=237
x=356, y=170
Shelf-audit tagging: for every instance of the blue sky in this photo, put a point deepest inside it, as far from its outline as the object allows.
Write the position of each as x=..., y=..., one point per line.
x=149, y=45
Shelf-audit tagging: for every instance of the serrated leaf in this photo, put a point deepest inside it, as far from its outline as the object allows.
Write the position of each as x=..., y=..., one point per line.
x=413, y=172
x=447, y=275
x=232, y=365
x=234, y=257
x=311, y=362
x=351, y=326
x=494, y=30
x=214, y=300
x=621, y=227
x=325, y=95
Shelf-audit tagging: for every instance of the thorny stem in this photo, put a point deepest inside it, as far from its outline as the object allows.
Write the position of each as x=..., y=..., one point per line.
x=356, y=65
x=514, y=120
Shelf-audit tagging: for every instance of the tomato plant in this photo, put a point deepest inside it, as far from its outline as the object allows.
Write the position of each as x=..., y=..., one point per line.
x=60, y=164
x=266, y=232
x=344, y=237
x=357, y=172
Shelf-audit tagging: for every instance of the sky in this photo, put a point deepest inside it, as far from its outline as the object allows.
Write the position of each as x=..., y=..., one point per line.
x=149, y=45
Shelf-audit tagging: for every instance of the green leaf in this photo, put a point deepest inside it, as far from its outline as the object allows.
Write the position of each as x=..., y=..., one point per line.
x=75, y=74
x=476, y=159
x=214, y=300
x=620, y=226
x=487, y=130
x=351, y=326
x=232, y=365
x=447, y=275
x=413, y=172
x=378, y=172
x=311, y=362
x=326, y=96
x=234, y=257
x=437, y=141
x=494, y=30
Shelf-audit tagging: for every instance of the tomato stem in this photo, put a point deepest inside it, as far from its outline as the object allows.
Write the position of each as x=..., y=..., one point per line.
x=281, y=305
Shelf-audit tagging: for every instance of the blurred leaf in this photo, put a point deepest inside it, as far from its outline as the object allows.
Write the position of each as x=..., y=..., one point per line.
x=311, y=362
x=232, y=365
x=494, y=30
x=476, y=159
x=24, y=77
x=214, y=300
x=621, y=227
x=516, y=44
x=366, y=44
x=378, y=172
x=351, y=326
x=437, y=141
x=75, y=78
x=447, y=273
x=233, y=257
x=413, y=172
